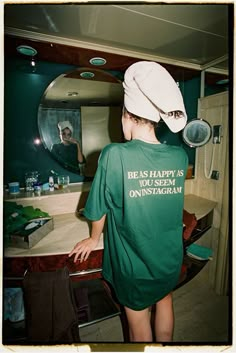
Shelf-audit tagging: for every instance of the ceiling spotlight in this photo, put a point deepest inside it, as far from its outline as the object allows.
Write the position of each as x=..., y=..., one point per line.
x=72, y=94
x=223, y=81
x=26, y=50
x=97, y=61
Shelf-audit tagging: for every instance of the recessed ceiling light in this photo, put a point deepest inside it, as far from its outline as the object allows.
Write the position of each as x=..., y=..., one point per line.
x=26, y=50
x=72, y=94
x=223, y=82
x=97, y=61
x=87, y=74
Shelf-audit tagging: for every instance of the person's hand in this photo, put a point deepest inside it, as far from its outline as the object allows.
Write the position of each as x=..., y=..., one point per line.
x=83, y=248
x=72, y=140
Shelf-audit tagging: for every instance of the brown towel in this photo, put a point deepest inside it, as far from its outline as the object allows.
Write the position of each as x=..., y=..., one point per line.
x=190, y=222
x=51, y=312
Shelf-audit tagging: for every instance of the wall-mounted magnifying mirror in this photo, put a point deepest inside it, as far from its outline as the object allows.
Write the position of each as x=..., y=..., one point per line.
x=91, y=101
x=197, y=133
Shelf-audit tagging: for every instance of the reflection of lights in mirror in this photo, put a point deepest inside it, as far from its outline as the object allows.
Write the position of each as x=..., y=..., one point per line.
x=87, y=74
x=37, y=141
x=72, y=94
x=32, y=63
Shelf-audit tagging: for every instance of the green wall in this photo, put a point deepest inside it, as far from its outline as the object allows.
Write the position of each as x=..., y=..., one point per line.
x=191, y=92
x=22, y=93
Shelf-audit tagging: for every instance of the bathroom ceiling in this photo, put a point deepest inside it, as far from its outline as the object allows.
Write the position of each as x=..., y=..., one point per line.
x=184, y=38
x=187, y=35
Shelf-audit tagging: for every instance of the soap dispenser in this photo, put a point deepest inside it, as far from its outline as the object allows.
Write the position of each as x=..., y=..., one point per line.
x=51, y=183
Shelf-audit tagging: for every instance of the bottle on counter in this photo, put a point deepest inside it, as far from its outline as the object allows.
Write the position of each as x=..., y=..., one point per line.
x=31, y=178
x=37, y=188
x=51, y=183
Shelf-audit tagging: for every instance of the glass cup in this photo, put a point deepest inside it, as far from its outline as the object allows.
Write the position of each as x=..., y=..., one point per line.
x=31, y=178
x=14, y=188
x=63, y=181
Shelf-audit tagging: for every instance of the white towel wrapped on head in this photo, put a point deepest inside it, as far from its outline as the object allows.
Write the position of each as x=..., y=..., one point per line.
x=65, y=124
x=151, y=92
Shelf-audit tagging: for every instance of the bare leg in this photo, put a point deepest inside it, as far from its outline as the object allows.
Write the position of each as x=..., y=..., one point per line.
x=139, y=325
x=164, y=319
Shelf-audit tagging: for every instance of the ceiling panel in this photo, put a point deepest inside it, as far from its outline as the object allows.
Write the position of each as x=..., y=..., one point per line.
x=191, y=34
x=197, y=17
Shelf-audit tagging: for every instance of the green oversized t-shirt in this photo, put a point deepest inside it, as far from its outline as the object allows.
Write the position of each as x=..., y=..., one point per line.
x=140, y=187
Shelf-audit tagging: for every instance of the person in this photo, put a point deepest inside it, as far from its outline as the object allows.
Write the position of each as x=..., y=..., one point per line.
x=68, y=151
x=137, y=199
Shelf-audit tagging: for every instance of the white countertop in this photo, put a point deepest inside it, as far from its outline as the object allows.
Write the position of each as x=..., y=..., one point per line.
x=30, y=196
x=198, y=205
x=68, y=230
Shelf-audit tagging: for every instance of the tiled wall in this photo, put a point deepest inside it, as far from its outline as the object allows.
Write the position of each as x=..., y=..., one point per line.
x=214, y=109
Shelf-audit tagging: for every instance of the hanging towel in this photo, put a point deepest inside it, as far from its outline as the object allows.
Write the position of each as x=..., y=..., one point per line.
x=190, y=222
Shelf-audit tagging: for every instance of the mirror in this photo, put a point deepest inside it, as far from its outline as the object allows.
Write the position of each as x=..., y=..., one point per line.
x=90, y=102
x=197, y=133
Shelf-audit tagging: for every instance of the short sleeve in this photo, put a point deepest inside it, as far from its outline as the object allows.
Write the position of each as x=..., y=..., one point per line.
x=96, y=205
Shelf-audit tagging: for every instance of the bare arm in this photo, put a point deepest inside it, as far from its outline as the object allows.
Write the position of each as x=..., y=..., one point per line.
x=80, y=156
x=84, y=247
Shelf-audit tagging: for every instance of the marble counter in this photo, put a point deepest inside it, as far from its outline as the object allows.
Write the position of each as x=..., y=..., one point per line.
x=64, y=201
x=198, y=205
x=68, y=230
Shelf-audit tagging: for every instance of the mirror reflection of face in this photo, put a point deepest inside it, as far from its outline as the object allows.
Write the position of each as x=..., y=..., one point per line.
x=65, y=136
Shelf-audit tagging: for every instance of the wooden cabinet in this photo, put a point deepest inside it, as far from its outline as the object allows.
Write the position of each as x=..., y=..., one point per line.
x=14, y=268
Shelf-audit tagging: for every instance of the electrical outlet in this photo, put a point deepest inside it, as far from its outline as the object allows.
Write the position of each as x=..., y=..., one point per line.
x=215, y=175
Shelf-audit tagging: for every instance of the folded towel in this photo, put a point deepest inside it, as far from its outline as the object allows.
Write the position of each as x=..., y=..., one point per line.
x=199, y=252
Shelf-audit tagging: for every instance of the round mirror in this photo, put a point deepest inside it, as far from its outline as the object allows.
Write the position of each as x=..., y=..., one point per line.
x=72, y=112
x=197, y=133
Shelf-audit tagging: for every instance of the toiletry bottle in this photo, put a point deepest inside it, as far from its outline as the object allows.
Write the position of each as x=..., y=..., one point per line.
x=51, y=183
x=37, y=188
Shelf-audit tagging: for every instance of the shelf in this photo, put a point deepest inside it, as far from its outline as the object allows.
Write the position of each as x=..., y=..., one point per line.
x=193, y=267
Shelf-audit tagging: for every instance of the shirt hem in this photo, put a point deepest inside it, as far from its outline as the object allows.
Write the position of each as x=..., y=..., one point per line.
x=136, y=308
